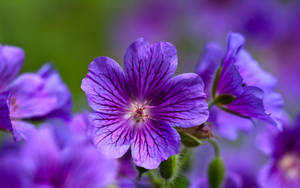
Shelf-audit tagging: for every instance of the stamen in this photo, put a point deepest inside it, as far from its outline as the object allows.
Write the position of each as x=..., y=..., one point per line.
x=139, y=112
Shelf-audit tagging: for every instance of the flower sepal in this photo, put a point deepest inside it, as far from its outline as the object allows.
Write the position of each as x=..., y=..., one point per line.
x=224, y=99
x=189, y=140
x=168, y=168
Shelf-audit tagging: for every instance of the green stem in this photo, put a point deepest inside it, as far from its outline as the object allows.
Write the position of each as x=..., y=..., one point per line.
x=156, y=181
x=167, y=184
x=215, y=145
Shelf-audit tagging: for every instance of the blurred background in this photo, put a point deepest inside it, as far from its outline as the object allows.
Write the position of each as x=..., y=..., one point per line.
x=71, y=33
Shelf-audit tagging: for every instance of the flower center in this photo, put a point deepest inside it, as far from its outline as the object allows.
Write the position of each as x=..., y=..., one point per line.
x=290, y=165
x=139, y=112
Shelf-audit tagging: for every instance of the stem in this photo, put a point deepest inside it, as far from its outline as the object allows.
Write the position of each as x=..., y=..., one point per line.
x=152, y=178
x=166, y=184
x=215, y=145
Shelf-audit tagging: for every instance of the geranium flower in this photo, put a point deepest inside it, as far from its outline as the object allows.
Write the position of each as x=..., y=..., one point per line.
x=54, y=156
x=240, y=87
x=29, y=96
x=138, y=108
x=283, y=170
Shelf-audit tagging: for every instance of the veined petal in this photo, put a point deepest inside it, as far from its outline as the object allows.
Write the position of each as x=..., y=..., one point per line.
x=148, y=67
x=230, y=81
x=209, y=63
x=5, y=122
x=250, y=104
x=105, y=86
x=11, y=61
x=153, y=143
x=182, y=102
x=28, y=97
x=112, y=134
x=235, y=43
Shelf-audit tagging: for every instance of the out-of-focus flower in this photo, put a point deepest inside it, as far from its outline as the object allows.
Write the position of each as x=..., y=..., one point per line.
x=45, y=160
x=29, y=96
x=248, y=88
x=139, y=108
x=259, y=21
x=153, y=19
x=57, y=88
x=284, y=168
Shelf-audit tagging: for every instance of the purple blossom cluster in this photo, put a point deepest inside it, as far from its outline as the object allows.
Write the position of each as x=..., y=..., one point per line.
x=222, y=125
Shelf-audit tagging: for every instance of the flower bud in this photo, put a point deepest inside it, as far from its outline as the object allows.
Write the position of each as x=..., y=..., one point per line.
x=189, y=140
x=167, y=168
x=216, y=172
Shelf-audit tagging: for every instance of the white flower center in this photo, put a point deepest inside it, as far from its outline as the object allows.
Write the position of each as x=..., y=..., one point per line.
x=290, y=165
x=139, y=112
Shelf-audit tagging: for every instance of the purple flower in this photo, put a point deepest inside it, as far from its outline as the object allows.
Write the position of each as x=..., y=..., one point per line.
x=56, y=87
x=138, y=108
x=29, y=96
x=234, y=73
x=11, y=61
x=45, y=160
x=153, y=19
x=284, y=168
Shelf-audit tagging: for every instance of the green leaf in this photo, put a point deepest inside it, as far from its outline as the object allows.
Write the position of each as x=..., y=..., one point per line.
x=189, y=140
x=167, y=168
x=216, y=172
x=224, y=99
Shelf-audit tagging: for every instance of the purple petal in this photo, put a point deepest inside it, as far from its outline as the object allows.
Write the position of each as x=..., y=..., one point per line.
x=253, y=74
x=182, y=102
x=22, y=130
x=235, y=43
x=55, y=87
x=230, y=80
x=87, y=168
x=11, y=61
x=209, y=63
x=148, y=67
x=29, y=98
x=229, y=125
x=112, y=134
x=250, y=104
x=274, y=104
x=41, y=156
x=5, y=122
x=12, y=173
x=80, y=123
x=105, y=86
x=265, y=137
x=153, y=143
